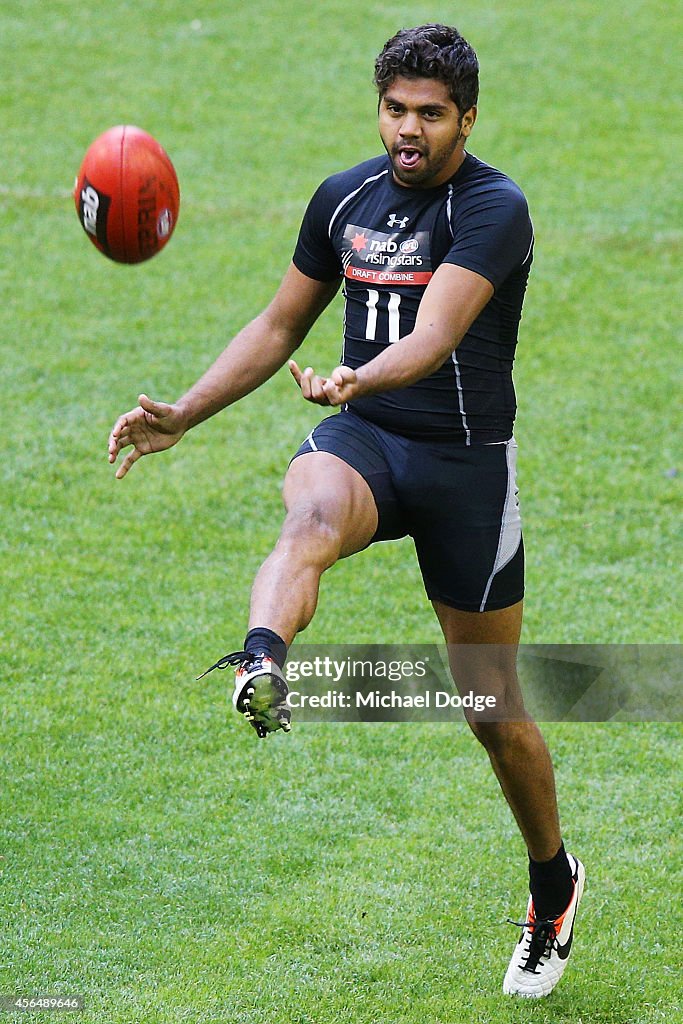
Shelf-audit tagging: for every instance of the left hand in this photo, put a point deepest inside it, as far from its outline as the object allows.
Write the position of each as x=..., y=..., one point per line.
x=341, y=386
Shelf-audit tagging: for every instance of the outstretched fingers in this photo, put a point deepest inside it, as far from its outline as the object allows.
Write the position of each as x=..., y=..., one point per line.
x=126, y=432
x=311, y=384
x=119, y=437
x=150, y=427
x=129, y=461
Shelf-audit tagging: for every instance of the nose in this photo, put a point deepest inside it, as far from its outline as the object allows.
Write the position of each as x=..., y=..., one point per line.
x=410, y=126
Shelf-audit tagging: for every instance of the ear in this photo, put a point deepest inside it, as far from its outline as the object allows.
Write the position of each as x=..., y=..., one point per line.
x=468, y=120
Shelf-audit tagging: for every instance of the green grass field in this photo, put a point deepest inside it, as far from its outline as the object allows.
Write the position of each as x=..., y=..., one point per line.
x=155, y=857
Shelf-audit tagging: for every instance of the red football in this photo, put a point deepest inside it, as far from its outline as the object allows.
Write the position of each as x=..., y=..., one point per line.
x=127, y=195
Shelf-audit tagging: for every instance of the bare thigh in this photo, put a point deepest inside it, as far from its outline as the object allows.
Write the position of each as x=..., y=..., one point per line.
x=328, y=499
x=482, y=649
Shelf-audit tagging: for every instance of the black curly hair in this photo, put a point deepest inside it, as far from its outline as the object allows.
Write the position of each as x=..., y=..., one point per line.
x=431, y=51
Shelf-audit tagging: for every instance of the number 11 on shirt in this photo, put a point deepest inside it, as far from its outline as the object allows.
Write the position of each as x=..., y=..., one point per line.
x=392, y=310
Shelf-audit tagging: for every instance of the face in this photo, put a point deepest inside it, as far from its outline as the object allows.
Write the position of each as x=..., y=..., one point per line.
x=422, y=131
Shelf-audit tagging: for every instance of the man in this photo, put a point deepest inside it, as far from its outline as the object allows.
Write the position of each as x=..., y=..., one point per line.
x=434, y=249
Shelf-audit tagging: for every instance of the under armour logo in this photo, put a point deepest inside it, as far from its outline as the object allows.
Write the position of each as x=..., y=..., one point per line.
x=397, y=222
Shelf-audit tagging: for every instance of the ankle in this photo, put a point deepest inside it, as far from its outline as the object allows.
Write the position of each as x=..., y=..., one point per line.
x=261, y=640
x=551, y=884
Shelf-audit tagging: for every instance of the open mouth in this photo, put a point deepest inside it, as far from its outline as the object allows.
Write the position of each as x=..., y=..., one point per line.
x=409, y=157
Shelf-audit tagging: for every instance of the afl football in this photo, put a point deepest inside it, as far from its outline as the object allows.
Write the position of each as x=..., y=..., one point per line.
x=127, y=195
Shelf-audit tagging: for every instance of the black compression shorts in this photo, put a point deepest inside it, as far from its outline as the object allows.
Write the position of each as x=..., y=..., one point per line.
x=458, y=503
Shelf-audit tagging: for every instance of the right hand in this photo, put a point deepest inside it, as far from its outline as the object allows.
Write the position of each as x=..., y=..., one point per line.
x=151, y=427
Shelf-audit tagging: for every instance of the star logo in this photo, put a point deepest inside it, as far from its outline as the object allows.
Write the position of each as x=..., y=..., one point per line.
x=358, y=243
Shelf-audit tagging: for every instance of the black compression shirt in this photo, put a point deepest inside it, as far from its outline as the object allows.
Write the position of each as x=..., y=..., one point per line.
x=387, y=240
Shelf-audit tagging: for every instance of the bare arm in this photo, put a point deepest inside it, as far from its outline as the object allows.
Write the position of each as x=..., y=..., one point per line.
x=251, y=358
x=261, y=348
x=453, y=299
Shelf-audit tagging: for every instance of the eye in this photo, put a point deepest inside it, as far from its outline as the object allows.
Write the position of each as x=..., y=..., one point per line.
x=432, y=115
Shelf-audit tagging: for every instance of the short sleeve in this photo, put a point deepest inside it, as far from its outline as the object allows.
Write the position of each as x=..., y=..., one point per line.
x=314, y=254
x=492, y=231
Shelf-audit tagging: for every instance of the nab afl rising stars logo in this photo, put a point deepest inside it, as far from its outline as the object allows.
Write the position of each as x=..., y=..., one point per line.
x=376, y=257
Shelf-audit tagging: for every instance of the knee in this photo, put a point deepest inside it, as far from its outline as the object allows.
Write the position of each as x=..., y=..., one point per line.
x=308, y=531
x=491, y=735
x=499, y=736
x=498, y=726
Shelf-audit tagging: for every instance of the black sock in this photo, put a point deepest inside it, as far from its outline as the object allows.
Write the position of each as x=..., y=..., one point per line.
x=263, y=641
x=550, y=882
